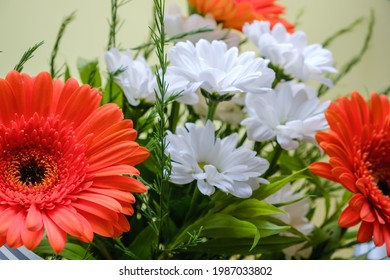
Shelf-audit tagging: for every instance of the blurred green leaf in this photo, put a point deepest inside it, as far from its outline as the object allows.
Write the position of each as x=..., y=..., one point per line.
x=266, y=190
x=89, y=72
x=67, y=73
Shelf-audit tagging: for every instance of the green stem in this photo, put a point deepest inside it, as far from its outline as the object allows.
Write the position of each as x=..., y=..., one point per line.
x=212, y=108
x=242, y=140
x=174, y=116
x=196, y=197
x=273, y=167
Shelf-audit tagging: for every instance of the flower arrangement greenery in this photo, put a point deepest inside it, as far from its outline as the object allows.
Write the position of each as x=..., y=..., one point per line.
x=211, y=153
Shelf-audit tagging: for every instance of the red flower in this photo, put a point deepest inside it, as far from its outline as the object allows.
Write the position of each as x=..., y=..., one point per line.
x=358, y=145
x=62, y=161
x=235, y=13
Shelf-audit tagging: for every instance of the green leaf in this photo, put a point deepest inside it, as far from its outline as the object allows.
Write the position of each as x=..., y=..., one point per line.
x=112, y=93
x=266, y=190
x=71, y=251
x=89, y=72
x=67, y=74
x=250, y=208
x=243, y=246
x=226, y=226
x=143, y=244
x=267, y=228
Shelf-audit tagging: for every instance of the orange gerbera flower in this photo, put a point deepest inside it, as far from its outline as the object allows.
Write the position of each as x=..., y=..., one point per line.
x=62, y=161
x=235, y=13
x=358, y=145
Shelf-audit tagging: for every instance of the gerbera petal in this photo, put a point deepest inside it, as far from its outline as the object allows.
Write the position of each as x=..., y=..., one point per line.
x=378, y=233
x=31, y=239
x=108, y=202
x=43, y=87
x=99, y=225
x=123, y=183
x=116, y=194
x=55, y=235
x=366, y=213
x=322, y=169
x=123, y=224
x=66, y=218
x=349, y=217
x=6, y=217
x=357, y=201
x=7, y=101
x=100, y=119
x=81, y=97
x=387, y=240
x=14, y=238
x=34, y=218
x=365, y=232
x=96, y=209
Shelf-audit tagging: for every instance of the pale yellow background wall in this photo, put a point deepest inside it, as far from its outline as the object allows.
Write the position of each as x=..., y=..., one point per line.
x=26, y=22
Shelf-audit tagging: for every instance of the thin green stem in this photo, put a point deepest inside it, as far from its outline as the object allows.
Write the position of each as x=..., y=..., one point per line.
x=163, y=162
x=196, y=197
x=115, y=23
x=273, y=166
x=354, y=60
x=174, y=116
x=60, y=34
x=27, y=56
x=212, y=108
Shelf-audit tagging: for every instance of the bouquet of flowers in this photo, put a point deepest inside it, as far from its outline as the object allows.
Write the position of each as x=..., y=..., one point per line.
x=189, y=147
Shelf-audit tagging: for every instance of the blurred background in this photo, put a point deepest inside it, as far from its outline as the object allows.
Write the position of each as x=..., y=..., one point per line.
x=24, y=23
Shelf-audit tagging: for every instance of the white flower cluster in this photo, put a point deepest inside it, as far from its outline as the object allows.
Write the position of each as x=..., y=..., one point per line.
x=288, y=113
x=291, y=52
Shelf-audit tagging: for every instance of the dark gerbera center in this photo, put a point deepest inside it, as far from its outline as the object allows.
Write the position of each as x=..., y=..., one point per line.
x=32, y=168
x=383, y=185
x=31, y=173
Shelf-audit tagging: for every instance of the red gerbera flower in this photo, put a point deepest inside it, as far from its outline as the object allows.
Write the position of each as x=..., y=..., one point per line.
x=235, y=13
x=358, y=145
x=62, y=161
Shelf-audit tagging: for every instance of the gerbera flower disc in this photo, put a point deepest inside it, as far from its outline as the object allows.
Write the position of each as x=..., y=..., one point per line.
x=62, y=163
x=358, y=145
x=235, y=13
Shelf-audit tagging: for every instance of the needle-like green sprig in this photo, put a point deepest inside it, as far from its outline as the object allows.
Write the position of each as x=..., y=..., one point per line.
x=27, y=56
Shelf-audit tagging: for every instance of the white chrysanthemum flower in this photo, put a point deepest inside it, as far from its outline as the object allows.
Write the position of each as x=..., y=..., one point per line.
x=176, y=23
x=295, y=216
x=217, y=69
x=290, y=114
x=291, y=52
x=213, y=162
x=135, y=76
